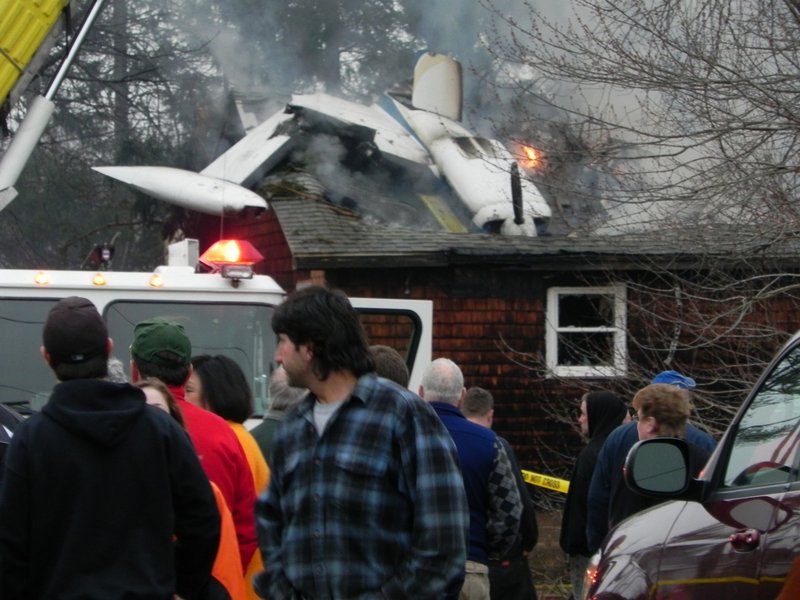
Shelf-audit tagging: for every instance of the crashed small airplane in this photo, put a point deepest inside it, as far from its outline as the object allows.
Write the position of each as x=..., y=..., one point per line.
x=407, y=160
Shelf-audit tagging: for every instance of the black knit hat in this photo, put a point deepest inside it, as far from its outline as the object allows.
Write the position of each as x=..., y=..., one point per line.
x=74, y=331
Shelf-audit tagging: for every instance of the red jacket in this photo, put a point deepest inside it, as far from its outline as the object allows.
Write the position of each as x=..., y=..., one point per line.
x=225, y=464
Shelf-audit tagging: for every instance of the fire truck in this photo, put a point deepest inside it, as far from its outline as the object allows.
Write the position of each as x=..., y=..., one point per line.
x=225, y=311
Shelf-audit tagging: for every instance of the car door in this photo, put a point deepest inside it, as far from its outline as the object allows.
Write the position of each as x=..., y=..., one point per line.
x=699, y=561
x=735, y=533
x=756, y=496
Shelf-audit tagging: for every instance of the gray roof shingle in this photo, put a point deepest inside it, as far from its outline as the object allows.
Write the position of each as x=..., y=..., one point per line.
x=322, y=235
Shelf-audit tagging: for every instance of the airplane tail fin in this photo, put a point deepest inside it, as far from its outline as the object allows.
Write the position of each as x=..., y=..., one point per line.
x=437, y=85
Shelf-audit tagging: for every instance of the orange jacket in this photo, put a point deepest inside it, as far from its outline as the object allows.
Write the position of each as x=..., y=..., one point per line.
x=260, y=471
x=227, y=569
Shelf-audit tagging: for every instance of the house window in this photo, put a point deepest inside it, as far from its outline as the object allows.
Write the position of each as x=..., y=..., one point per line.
x=586, y=331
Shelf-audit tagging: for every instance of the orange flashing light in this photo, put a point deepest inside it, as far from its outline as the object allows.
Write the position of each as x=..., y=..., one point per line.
x=231, y=252
x=41, y=278
x=156, y=281
x=233, y=259
x=99, y=279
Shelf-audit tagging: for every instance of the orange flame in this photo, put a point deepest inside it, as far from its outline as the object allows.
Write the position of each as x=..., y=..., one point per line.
x=532, y=158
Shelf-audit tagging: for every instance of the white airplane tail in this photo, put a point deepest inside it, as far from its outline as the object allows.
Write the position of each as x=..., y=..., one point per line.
x=437, y=85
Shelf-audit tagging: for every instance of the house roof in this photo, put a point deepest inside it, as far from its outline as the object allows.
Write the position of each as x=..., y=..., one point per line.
x=325, y=236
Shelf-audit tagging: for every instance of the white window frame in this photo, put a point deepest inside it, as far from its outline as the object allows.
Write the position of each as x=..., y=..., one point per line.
x=552, y=331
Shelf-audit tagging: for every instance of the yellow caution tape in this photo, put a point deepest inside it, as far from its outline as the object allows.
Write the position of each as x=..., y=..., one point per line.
x=551, y=483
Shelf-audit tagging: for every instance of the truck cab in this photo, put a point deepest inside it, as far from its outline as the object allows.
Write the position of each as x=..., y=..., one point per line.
x=228, y=315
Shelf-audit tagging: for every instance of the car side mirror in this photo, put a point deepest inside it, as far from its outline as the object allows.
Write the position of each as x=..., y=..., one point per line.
x=658, y=467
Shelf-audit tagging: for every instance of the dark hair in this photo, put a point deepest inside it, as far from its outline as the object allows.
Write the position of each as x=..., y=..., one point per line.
x=477, y=402
x=225, y=388
x=175, y=374
x=390, y=364
x=161, y=388
x=95, y=367
x=326, y=322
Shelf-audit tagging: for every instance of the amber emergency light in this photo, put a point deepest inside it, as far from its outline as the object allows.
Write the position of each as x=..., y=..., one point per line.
x=233, y=259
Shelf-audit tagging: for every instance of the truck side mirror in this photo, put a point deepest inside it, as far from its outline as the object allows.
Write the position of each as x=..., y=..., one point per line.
x=658, y=467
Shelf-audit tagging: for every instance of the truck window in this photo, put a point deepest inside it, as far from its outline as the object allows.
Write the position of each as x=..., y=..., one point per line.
x=239, y=331
x=27, y=381
x=765, y=442
x=397, y=328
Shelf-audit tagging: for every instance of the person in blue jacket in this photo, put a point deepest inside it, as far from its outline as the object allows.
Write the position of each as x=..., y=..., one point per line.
x=510, y=575
x=608, y=470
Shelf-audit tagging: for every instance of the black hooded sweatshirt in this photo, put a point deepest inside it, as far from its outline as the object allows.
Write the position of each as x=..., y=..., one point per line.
x=104, y=498
x=605, y=412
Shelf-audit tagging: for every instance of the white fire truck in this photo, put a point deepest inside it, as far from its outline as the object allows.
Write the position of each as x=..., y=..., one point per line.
x=227, y=311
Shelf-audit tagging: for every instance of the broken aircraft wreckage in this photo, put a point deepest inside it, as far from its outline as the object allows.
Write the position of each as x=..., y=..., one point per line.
x=402, y=161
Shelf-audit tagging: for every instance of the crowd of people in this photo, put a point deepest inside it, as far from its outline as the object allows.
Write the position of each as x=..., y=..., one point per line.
x=352, y=487
x=598, y=498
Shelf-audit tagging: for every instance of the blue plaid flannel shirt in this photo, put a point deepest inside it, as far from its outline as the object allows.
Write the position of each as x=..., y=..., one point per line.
x=373, y=508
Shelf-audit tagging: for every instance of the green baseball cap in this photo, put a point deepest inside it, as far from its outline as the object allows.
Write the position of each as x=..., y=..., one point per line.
x=162, y=342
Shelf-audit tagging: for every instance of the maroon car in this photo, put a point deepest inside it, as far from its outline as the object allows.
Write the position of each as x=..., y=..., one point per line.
x=734, y=533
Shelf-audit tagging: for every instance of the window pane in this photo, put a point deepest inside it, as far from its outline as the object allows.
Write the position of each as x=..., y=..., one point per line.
x=397, y=328
x=27, y=380
x=765, y=444
x=586, y=349
x=490, y=148
x=585, y=310
x=239, y=331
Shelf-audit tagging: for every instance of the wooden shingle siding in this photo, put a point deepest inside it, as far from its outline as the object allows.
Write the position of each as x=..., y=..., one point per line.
x=490, y=297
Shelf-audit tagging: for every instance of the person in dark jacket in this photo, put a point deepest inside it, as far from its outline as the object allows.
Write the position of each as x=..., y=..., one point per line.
x=600, y=413
x=510, y=574
x=282, y=397
x=103, y=496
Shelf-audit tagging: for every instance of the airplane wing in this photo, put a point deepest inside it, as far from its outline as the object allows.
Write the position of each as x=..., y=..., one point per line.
x=190, y=190
x=267, y=145
x=389, y=137
x=255, y=154
x=226, y=183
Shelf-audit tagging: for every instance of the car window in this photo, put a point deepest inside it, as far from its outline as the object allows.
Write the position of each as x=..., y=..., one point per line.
x=765, y=441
